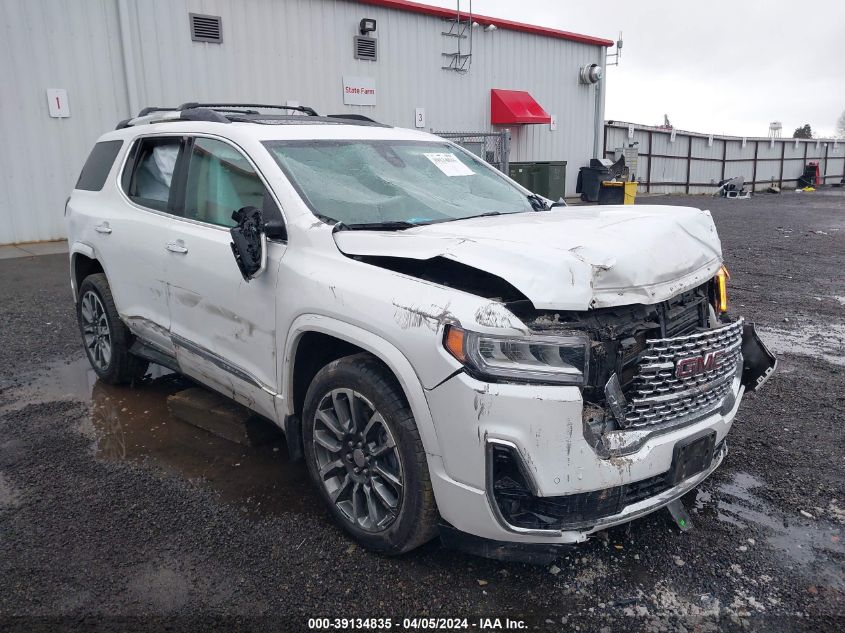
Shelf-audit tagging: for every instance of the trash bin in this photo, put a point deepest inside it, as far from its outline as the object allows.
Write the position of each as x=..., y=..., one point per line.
x=590, y=179
x=611, y=192
x=630, y=192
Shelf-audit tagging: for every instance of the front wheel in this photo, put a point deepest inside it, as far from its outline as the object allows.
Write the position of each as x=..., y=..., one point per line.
x=105, y=336
x=365, y=455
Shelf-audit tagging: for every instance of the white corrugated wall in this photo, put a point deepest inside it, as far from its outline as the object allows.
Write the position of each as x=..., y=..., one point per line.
x=272, y=51
x=72, y=45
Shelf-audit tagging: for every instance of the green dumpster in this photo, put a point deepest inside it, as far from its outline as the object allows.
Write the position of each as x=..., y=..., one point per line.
x=546, y=178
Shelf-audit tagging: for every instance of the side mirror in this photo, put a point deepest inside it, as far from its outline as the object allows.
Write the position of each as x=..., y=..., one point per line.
x=276, y=230
x=249, y=242
x=560, y=203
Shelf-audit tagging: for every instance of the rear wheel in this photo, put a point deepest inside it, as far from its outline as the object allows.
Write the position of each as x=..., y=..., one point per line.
x=105, y=336
x=364, y=452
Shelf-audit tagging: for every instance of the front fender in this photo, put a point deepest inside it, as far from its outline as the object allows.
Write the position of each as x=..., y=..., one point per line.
x=395, y=360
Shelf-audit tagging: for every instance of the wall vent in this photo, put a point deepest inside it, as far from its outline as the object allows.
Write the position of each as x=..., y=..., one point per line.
x=365, y=48
x=206, y=28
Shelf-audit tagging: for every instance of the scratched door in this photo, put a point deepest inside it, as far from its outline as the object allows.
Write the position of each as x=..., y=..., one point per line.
x=224, y=328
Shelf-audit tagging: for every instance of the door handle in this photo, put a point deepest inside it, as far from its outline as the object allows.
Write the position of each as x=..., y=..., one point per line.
x=177, y=246
x=103, y=228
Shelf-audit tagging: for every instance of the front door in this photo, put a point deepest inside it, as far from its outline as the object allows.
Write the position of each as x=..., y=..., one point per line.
x=223, y=327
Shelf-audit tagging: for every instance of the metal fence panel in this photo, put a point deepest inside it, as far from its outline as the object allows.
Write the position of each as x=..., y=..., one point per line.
x=668, y=170
x=695, y=163
x=663, y=144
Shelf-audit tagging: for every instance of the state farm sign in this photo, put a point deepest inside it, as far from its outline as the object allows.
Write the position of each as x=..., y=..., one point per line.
x=359, y=90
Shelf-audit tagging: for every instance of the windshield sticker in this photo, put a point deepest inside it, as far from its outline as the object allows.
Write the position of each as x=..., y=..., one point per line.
x=449, y=164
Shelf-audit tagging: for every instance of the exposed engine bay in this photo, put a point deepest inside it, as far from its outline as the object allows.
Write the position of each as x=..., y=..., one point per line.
x=619, y=334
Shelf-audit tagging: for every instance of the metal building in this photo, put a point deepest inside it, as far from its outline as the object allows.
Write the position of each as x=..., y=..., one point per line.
x=72, y=70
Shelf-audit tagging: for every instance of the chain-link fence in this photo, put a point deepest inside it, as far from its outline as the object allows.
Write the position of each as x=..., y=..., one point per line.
x=493, y=147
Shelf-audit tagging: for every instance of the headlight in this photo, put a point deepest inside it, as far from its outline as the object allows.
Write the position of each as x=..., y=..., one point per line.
x=560, y=360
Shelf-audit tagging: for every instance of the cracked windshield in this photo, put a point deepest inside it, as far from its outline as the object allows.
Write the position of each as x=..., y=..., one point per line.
x=375, y=182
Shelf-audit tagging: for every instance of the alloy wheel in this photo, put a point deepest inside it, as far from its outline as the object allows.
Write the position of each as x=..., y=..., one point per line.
x=95, y=330
x=357, y=460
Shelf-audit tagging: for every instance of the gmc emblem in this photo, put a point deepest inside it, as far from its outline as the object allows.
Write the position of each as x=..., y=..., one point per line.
x=695, y=365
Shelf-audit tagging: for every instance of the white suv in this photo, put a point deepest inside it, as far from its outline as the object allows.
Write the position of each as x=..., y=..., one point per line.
x=450, y=353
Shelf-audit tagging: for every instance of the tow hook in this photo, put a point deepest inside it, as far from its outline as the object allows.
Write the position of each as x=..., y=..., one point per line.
x=680, y=515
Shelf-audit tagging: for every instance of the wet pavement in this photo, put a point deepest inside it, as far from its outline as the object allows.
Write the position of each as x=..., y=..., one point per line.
x=116, y=515
x=134, y=423
x=807, y=545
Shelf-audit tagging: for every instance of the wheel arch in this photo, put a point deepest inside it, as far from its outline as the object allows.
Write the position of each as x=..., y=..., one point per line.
x=83, y=262
x=353, y=339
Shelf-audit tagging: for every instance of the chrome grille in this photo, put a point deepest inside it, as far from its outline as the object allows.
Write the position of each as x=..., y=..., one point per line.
x=656, y=395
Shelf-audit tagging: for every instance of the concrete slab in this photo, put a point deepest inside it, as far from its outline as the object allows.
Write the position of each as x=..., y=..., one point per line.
x=45, y=248
x=221, y=416
x=10, y=251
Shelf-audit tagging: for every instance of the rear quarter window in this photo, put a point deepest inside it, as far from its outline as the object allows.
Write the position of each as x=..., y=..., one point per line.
x=98, y=165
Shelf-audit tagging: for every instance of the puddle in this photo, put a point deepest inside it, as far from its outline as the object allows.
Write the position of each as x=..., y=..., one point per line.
x=63, y=381
x=801, y=542
x=819, y=341
x=133, y=423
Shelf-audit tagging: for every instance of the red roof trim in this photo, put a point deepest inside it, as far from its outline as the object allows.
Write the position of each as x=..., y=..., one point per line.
x=425, y=9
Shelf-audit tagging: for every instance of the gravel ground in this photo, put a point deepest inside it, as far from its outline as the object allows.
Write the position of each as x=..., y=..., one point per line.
x=115, y=516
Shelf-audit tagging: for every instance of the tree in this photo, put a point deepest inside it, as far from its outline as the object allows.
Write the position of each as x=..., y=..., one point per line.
x=840, y=125
x=804, y=131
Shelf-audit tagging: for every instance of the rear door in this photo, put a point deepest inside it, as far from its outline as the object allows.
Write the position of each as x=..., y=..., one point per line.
x=224, y=328
x=131, y=236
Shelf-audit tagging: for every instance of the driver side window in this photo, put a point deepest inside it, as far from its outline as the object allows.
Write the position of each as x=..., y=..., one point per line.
x=220, y=181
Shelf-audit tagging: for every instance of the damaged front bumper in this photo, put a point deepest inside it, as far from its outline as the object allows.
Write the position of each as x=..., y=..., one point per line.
x=542, y=552
x=758, y=363
x=519, y=465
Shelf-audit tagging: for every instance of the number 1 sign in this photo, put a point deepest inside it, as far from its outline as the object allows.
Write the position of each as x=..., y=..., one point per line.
x=57, y=103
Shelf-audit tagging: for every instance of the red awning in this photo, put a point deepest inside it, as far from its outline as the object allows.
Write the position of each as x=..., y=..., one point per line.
x=508, y=107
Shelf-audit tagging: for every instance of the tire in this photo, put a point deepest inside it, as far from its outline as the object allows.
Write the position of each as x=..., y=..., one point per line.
x=98, y=319
x=368, y=516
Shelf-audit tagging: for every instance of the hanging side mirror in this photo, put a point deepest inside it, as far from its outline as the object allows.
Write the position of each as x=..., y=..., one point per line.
x=276, y=230
x=249, y=242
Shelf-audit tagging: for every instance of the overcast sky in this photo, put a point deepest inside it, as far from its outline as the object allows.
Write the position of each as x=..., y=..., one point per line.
x=716, y=66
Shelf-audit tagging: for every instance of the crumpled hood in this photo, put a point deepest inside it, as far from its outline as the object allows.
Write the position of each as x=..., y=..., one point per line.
x=570, y=258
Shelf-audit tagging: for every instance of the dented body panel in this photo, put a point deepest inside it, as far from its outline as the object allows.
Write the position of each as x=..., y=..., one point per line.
x=545, y=425
x=213, y=309
x=395, y=293
x=570, y=258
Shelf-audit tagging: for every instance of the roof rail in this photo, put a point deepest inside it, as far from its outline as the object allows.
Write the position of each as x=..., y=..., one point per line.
x=228, y=107
x=151, y=109
x=235, y=112
x=352, y=117
x=159, y=115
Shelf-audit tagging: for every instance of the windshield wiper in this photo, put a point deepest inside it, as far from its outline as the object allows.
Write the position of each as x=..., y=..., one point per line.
x=537, y=203
x=484, y=215
x=379, y=226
